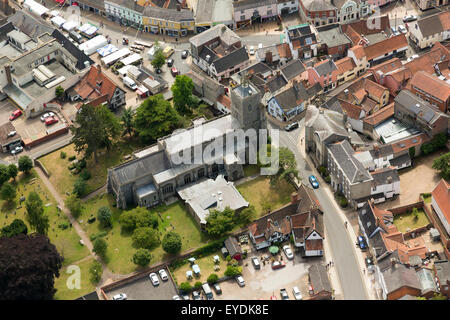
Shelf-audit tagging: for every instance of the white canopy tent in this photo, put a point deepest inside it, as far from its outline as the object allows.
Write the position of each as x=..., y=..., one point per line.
x=35, y=7
x=106, y=50
x=70, y=25
x=58, y=21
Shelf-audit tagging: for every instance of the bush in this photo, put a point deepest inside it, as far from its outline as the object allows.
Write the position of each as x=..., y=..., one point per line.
x=80, y=188
x=104, y=216
x=63, y=155
x=185, y=287
x=63, y=226
x=213, y=278
x=145, y=237
x=96, y=271
x=171, y=243
x=16, y=227
x=85, y=175
x=142, y=257
x=197, y=285
x=327, y=179
x=71, y=158
x=343, y=202
x=233, y=271
x=100, y=247
x=74, y=204
x=81, y=164
x=97, y=235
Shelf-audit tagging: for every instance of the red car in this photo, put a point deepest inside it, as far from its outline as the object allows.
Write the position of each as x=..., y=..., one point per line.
x=174, y=71
x=278, y=265
x=50, y=121
x=15, y=115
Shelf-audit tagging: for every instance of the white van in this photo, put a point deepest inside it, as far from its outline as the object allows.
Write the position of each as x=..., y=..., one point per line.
x=207, y=291
x=129, y=83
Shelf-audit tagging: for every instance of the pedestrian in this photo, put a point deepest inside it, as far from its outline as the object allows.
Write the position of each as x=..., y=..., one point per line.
x=345, y=224
x=364, y=271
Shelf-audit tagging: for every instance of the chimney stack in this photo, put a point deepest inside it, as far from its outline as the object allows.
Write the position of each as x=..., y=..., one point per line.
x=269, y=57
x=8, y=73
x=294, y=197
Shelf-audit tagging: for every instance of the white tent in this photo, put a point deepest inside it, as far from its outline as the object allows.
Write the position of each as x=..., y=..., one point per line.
x=70, y=25
x=91, y=46
x=35, y=7
x=131, y=59
x=112, y=58
x=54, y=13
x=106, y=50
x=58, y=21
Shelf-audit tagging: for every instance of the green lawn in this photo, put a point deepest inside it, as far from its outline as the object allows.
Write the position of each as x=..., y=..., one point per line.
x=262, y=195
x=63, y=179
x=426, y=198
x=120, y=247
x=405, y=221
x=66, y=241
x=251, y=170
x=69, y=291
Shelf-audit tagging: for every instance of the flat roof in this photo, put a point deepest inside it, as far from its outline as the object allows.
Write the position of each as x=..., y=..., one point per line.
x=392, y=130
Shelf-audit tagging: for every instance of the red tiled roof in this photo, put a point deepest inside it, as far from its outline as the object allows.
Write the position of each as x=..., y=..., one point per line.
x=380, y=115
x=387, y=66
x=432, y=85
x=284, y=51
x=441, y=194
x=360, y=94
x=380, y=48
x=223, y=99
x=358, y=51
x=407, y=143
x=374, y=89
x=314, y=244
x=95, y=84
x=427, y=61
x=344, y=65
x=353, y=111
x=445, y=20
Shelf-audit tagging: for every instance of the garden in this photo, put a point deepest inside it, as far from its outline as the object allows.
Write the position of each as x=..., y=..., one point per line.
x=413, y=219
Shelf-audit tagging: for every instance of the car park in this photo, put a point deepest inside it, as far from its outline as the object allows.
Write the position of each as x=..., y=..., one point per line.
x=120, y=296
x=288, y=252
x=174, y=71
x=170, y=62
x=240, y=281
x=291, y=126
x=255, y=262
x=278, y=265
x=163, y=275
x=15, y=114
x=154, y=279
x=46, y=115
x=50, y=120
x=362, y=243
x=196, y=295
x=401, y=28
x=176, y=297
x=184, y=54
x=409, y=18
x=297, y=294
x=17, y=150
x=217, y=288
x=313, y=181
x=284, y=295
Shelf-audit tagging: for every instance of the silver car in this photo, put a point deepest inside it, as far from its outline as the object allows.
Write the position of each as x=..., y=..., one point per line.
x=17, y=150
x=46, y=115
x=240, y=281
x=297, y=294
x=120, y=296
x=154, y=279
x=288, y=252
x=163, y=275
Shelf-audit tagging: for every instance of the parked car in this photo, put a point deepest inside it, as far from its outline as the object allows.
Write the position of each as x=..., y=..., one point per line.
x=240, y=281
x=184, y=54
x=288, y=252
x=401, y=28
x=251, y=50
x=196, y=295
x=120, y=296
x=163, y=275
x=411, y=58
x=158, y=71
x=217, y=288
x=174, y=71
x=297, y=293
x=284, y=295
x=50, y=120
x=154, y=279
x=177, y=297
x=313, y=181
x=255, y=262
x=409, y=18
x=168, y=51
x=207, y=291
x=46, y=115
x=11, y=134
x=186, y=297
x=170, y=62
x=17, y=150
x=129, y=83
x=291, y=126
x=362, y=243
x=369, y=261
x=15, y=115
x=394, y=31
x=278, y=265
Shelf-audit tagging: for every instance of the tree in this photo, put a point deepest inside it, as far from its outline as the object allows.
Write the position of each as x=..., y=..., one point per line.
x=158, y=59
x=8, y=192
x=213, y=278
x=171, y=242
x=247, y=215
x=59, y=92
x=104, y=216
x=127, y=121
x=35, y=215
x=287, y=166
x=415, y=214
x=74, y=204
x=197, y=285
x=442, y=164
x=142, y=257
x=4, y=174
x=16, y=227
x=219, y=223
x=185, y=287
x=95, y=128
x=155, y=118
x=182, y=93
x=145, y=237
x=136, y=218
x=79, y=187
x=233, y=271
x=25, y=164
x=100, y=247
x=96, y=271
x=29, y=265
x=13, y=171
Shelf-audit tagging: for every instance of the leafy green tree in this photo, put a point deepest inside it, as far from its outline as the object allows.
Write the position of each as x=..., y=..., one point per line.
x=25, y=164
x=80, y=187
x=171, y=243
x=13, y=171
x=442, y=164
x=182, y=93
x=185, y=287
x=158, y=59
x=100, y=247
x=219, y=223
x=94, y=128
x=29, y=265
x=74, y=204
x=415, y=214
x=4, y=174
x=142, y=257
x=145, y=237
x=247, y=215
x=197, y=285
x=59, y=92
x=104, y=216
x=35, y=215
x=96, y=271
x=233, y=271
x=16, y=227
x=155, y=118
x=287, y=166
x=136, y=218
x=127, y=121
x=8, y=192
x=213, y=278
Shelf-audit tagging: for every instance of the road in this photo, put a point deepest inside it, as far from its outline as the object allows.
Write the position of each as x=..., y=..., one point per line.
x=341, y=245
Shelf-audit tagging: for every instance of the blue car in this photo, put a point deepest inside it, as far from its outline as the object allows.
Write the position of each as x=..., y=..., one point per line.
x=314, y=182
x=362, y=243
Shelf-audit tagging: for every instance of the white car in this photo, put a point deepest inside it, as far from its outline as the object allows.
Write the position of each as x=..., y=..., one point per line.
x=401, y=28
x=409, y=18
x=251, y=50
x=120, y=296
x=12, y=134
x=177, y=297
x=297, y=294
x=154, y=279
x=288, y=252
x=163, y=275
x=414, y=56
x=17, y=150
x=240, y=281
x=46, y=115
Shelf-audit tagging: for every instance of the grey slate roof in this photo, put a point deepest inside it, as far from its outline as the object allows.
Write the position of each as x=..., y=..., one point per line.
x=318, y=5
x=292, y=69
x=326, y=68
x=289, y=98
x=442, y=271
x=382, y=176
x=168, y=14
x=333, y=35
x=325, y=124
x=332, y=104
x=367, y=218
x=400, y=161
x=430, y=25
x=5, y=29
x=400, y=276
x=29, y=25
x=247, y=4
x=236, y=57
x=417, y=106
x=382, y=151
x=319, y=278
x=276, y=84
x=221, y=31
x=73, y=50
